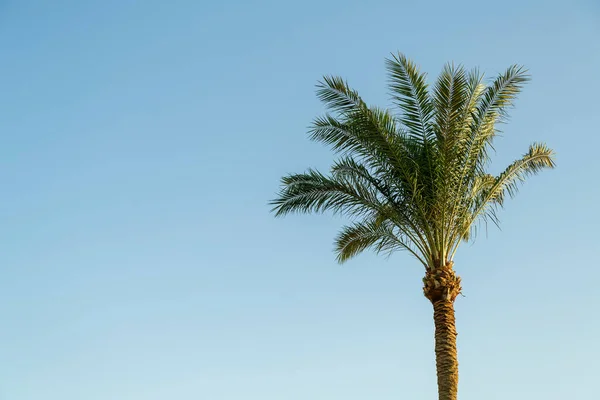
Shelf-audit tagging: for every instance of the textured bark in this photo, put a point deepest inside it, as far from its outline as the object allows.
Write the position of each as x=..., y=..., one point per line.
x=441, y=287
x=446, y=356
x=441, y=283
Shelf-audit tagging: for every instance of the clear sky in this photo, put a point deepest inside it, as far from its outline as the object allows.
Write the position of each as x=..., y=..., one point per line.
x=140, y=142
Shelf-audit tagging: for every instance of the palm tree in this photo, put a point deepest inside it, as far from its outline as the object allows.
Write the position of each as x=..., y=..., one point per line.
x=415, y=180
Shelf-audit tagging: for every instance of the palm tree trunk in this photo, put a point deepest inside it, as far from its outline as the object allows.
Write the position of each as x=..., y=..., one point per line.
x=446, y=357
x=441, y=287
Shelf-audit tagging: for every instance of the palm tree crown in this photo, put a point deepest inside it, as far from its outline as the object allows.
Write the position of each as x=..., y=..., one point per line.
x=416, y=179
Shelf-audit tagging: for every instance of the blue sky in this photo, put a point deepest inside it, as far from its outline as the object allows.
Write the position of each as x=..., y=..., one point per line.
x=141, y=141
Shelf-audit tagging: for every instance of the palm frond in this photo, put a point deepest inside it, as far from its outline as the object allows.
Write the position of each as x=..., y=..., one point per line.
x=538, y=158
x=337, y=96
x=410, y=93
x=500, y=95
x=490, y=109
x=449, y=95
x=379, y=235
x=313, y=192
x=492, y=193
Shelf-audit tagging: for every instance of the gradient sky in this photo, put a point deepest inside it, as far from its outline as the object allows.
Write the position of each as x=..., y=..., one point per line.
x=140, y=142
